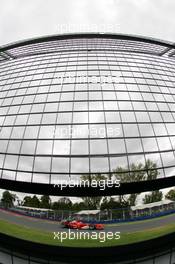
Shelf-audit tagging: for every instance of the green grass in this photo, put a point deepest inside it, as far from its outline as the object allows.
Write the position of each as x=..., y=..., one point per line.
x=39, y=236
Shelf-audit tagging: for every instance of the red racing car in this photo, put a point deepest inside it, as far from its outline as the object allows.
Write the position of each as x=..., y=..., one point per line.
x=77, y=224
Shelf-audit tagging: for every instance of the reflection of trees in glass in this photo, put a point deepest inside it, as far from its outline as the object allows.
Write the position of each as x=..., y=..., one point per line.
x=138, y=172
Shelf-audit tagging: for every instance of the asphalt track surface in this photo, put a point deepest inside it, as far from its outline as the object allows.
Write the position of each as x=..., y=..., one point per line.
x=52, y=226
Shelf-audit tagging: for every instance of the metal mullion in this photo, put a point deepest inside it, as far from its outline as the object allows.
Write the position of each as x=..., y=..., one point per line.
x=86, y=155
x=28, y=139
x=85, y=111
x=54, y=136
x=122, y=124
x=163, y=122
x=85, y=173
x=36, y=145
x=100, y=123
x=72, y=124
x=140, y=137
x=67, y=101
x=155, y=136
x=89, y=135
x=104, y=112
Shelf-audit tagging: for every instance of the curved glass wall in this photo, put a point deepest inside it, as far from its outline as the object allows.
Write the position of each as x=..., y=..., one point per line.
x=86, y=105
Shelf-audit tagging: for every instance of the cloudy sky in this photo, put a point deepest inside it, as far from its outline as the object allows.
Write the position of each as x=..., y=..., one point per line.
x=21, y=19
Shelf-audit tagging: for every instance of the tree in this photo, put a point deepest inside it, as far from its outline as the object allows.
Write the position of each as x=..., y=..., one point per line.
x=171, y=195
x=138, y=172
x=111, y=203
x=92, y=202
x=62, y=204
x=31, y=201
x=8, y=199
x=45, y=202
x=78, y=206
x=114, y=208
x=154, y=196
x=26, y=201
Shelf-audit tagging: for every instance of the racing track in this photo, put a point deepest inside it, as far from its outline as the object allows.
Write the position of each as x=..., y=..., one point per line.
x=52, y=226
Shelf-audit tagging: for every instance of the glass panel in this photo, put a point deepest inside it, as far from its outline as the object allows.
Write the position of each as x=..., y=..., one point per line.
x=49, y=119
x=112, y=117
x=168, y=159
x=131, y=130
x=79, y=165
x=125, y=106
x=116, y=146
x=61, y=147
x=60, y=165
x=62, y=131
x=80, y=117
x=11, y=162
x=44, y=147
x=128, y=117
x=136, y=159
x=42, y=164
x=142, y=116
x=155, y=117
x=160, y=129
x=3, y=146
x=146, y=130
x=9, y=120
x=14, y=146
x=98, y=147
x=149, y=144
x=64, y=118
x=41, y=178
x=171, y=128
x=25, y=163
x=28, y=147
x=35, y=119
x=31, y=132
x=134, y=145
x=79, y=147
x=99, y=165
x=46, y=132
x=9, y=175
x=164, y=143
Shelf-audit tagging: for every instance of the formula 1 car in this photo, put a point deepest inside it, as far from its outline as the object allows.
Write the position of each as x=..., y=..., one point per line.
x=77, y=224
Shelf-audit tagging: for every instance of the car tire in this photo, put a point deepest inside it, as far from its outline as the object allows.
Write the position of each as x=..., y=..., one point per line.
x=92, y=227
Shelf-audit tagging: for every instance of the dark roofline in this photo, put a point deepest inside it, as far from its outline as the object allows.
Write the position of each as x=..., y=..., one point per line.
x=86, y=35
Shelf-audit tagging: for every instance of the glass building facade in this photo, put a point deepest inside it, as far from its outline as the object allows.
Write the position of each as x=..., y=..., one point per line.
x=61, y=116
